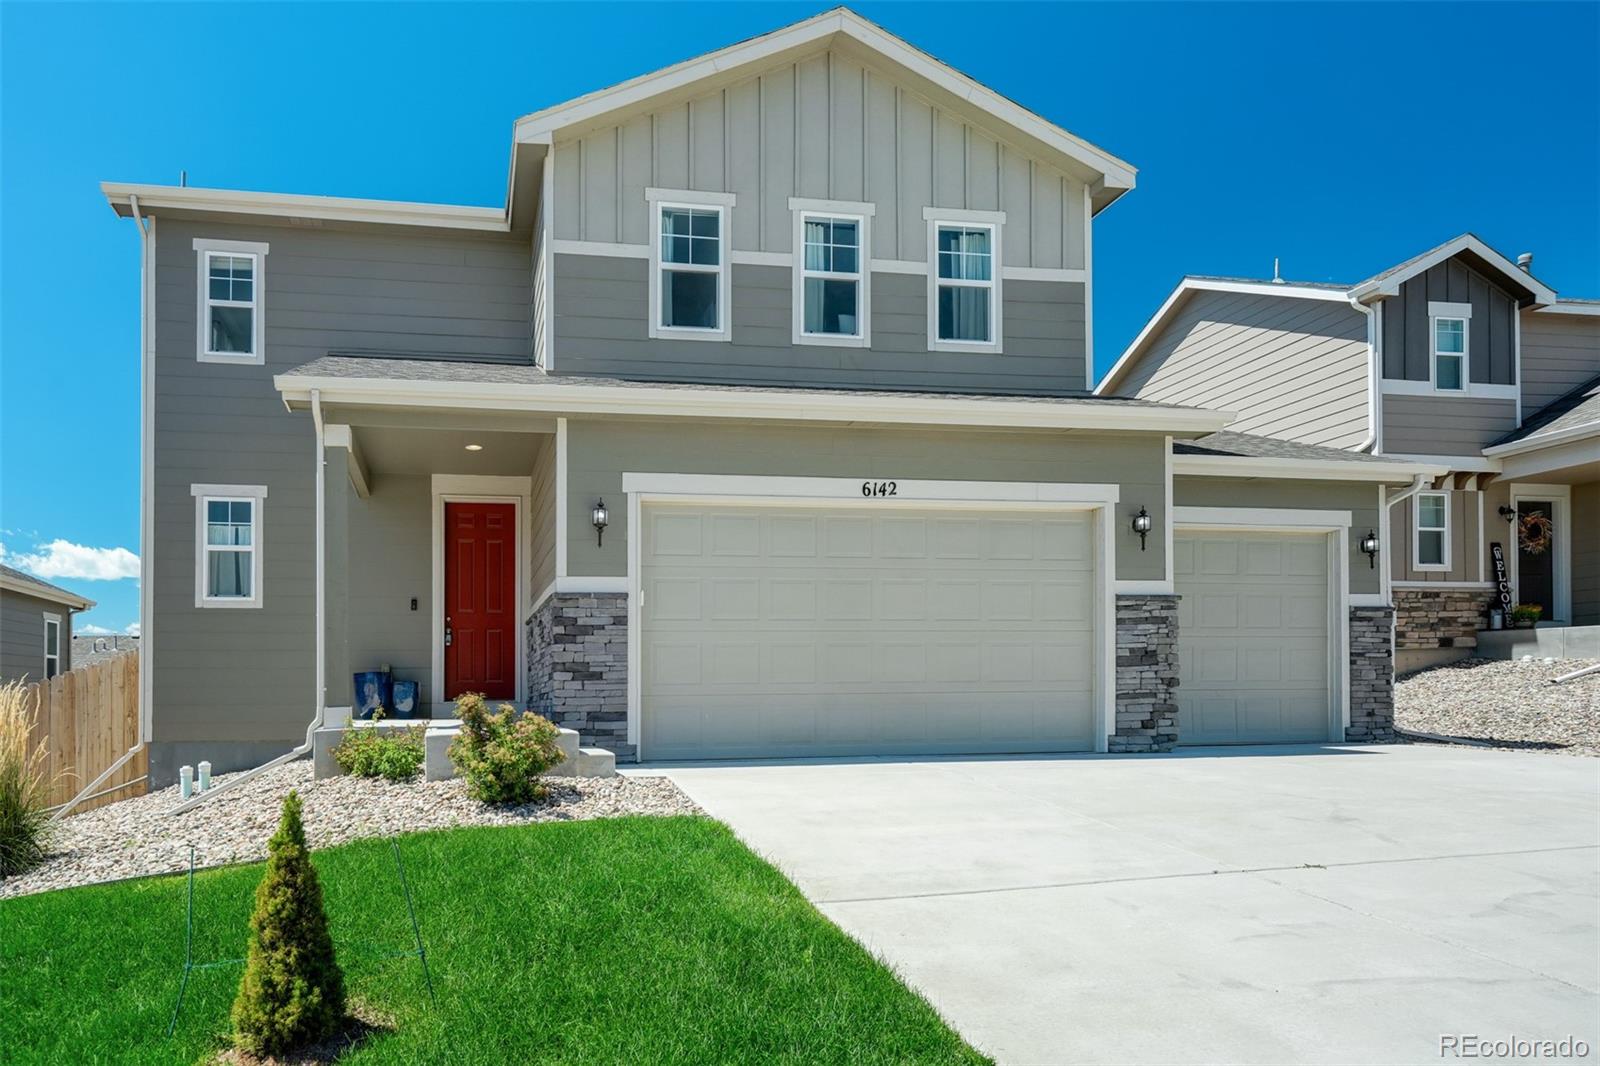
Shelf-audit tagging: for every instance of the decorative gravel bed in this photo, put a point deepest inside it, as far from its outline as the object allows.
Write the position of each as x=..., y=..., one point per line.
x=137, y=836
x=1508, y=704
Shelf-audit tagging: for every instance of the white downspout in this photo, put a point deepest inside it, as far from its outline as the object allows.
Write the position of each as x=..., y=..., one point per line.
x=321, y=632
x=146, y=541
x=1374, y=372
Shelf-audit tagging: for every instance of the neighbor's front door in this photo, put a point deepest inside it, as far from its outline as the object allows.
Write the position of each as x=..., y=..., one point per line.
x=480, y=599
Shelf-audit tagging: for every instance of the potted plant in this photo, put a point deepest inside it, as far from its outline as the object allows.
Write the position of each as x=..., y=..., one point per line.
x=1526, y=615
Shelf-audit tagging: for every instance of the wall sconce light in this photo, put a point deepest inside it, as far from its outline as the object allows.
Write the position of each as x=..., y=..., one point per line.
x=1369, y=545
x=601, y=518
x=1508, y=513
x=1142, y=524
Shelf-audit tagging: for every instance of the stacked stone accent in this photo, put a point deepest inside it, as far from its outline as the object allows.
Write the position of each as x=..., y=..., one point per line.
x=1147, y=673
x=578, y=666
x=1371, y=675
x=1442, y=618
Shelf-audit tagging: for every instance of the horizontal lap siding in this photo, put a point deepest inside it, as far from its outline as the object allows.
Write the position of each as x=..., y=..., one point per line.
x=247, y=674
x=22, y=636
x=1289, y=367
x=602, y=308
x=1559, y=353
x=1444, y=425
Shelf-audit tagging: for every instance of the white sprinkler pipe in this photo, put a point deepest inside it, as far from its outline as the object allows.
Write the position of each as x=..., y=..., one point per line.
x=146, y=356
x=321, y=634
x=1580, y=672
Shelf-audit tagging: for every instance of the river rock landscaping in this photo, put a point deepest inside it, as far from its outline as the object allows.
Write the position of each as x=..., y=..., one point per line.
x=1505, y=704
x=138, y=836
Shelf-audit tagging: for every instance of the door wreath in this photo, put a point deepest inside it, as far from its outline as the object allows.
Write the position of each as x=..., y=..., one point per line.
x=1534, y=531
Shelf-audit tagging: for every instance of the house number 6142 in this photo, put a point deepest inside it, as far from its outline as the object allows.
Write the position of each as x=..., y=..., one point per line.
x=879, y=488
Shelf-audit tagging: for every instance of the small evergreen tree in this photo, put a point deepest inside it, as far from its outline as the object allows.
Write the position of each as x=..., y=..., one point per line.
x=292, y=993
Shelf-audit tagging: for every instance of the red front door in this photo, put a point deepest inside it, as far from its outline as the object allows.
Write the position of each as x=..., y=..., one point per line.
x=480, y=599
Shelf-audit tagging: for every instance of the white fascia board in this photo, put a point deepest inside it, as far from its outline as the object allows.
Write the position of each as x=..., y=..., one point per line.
x=1545, y=440
x=1260, y=518
x=1188, y=285
x=643, y=401
x=287, y=205
x=1390, y=286
x=40, y=592
x=1313, y=469
x=1569, y=307
x=849, y=488
x=542, y=126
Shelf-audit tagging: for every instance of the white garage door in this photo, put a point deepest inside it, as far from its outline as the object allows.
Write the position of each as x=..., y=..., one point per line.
x=1252, y=637
x=787, y=631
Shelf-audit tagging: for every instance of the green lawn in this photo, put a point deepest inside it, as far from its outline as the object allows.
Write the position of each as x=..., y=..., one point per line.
x=624, y=940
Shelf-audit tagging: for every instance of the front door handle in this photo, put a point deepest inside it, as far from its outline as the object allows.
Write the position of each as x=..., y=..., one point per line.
x=447, y=633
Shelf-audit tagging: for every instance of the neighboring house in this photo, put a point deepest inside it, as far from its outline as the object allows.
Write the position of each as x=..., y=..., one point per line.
x=35, y=626
x=1458, y=357
x=91, y=649
x=756, y=422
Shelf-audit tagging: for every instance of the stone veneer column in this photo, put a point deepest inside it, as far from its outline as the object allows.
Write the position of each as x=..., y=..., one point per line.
x=578, y=666
x=1147, y=672
x=1371, y=674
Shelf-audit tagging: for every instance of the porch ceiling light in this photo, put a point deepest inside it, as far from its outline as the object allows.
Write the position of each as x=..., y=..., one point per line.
x=1142, y=524
x=601, y=518
x=1369, y=545
x=474, y=447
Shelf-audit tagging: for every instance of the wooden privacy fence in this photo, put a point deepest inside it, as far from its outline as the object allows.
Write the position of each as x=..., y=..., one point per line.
x=87, y=720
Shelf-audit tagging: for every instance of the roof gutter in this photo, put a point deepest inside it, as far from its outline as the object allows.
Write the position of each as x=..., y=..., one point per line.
x=1246, y=466
x=1545, y=440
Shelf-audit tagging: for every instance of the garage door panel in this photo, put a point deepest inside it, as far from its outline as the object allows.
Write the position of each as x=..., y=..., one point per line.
x=1253, y=637
x=903, y=633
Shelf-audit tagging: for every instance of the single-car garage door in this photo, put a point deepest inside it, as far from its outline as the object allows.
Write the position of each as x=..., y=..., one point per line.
x=789, y=631
x=1253, y=637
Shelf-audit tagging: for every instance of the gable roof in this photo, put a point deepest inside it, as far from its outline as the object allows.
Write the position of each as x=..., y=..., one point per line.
x=1472, y=247
x=839, y=25
x=14, y=580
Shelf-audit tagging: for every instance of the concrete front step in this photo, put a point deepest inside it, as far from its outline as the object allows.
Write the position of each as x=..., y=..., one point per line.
x=436, y=764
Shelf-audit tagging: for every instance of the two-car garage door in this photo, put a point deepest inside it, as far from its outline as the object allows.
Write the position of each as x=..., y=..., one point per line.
x=774, y=630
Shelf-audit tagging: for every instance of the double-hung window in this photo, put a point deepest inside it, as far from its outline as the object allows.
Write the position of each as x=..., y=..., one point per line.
x=1430, y=540
x=689, y=285
x=228, y=566
x=230, y=307
x=964, y=282
x=1449, y=328
x=52, y=645
x=832, y=304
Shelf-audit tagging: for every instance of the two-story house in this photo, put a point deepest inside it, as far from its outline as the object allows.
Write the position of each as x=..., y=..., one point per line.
x=1457, y=356
x=756, y=421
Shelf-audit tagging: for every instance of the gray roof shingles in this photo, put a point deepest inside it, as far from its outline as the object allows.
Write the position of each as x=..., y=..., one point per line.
x=1249, y=446
x=44, y=589
x=1579, y=407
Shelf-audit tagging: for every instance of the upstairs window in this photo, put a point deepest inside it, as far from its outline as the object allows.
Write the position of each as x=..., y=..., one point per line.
x=964, y=282
x=228, y=543
x=689, y=270
x=832, y=272
x=1450, y=354
x=52, y=645
x=1431, y=536
x=230, y=284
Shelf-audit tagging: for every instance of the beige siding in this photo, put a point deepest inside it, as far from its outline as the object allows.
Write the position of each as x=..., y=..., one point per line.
x=1444, y=425
x=1289, y=367
x=1359, y=498
x=601, y=451
x=390, y=561
x=1559, y=353
x=824, y=127
x=1586, y=554
x=1469, y=555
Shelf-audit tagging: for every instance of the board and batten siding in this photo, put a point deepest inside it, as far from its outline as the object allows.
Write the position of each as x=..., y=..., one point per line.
x=1586, y=554
x=22, y=635
x=824, y=127
x=1468, y=554
x=602, y=450
x=241, y=680
x=1491, y=344
x=1559, y=353
x=1291, y=368
x=602, y=327
x=542, y=520
x=1444, y=425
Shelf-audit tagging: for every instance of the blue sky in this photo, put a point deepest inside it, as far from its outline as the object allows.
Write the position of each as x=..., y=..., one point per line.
x=1339, y=138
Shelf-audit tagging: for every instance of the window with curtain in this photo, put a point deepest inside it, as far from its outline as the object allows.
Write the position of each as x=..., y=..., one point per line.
x=230, y=324
x=691, y=268
x=832, y=276
x=229, y=572
x=966, y=283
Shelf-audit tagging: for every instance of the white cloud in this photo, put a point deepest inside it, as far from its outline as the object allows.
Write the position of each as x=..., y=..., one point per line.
x=62, y=558
x=89, y=629
x=133, y=629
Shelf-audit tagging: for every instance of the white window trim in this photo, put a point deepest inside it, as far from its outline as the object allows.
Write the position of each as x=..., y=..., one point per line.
x=1416, y=533
x=994, y=221
x=1462, y=312
x=51, y=619
x=205, y=248
x=861, y=214
x=203, y=494
x=722, y=203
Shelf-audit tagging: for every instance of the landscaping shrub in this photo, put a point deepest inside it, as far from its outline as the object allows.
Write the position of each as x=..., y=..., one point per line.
x=24, y=783
x=396, y=754
x=502, y=754
x=292, y=993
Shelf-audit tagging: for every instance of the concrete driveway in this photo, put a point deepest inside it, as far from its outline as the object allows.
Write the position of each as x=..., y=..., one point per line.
x=1260, y=905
